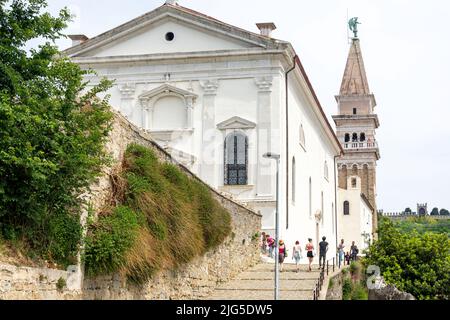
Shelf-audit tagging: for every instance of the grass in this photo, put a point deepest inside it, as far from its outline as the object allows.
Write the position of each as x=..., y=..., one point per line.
x=164, y=220
x=424, y=224
x=354, y=287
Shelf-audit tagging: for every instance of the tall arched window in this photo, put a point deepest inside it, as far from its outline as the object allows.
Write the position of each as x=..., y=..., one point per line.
x=346, y=208
x=354, y=137
x=293, y=179
x=302, y=136
x=310, y=197
x=347, y=137
x=236, y=155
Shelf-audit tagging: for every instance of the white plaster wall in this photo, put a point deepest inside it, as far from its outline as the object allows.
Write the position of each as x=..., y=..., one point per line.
x=150, y=40
x=309, y=161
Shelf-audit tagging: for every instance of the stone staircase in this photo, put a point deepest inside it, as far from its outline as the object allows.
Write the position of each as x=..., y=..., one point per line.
x=257, y=283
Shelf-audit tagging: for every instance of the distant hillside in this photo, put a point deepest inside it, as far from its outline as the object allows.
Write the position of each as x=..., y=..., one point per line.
x=424, y=224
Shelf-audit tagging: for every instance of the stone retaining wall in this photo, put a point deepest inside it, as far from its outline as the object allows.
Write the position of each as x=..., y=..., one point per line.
x=193, y=281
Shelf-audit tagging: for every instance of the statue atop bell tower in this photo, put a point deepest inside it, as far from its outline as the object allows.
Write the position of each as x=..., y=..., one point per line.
x=356, y=124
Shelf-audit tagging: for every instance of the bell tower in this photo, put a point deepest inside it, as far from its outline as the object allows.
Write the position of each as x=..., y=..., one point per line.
x=356, y=124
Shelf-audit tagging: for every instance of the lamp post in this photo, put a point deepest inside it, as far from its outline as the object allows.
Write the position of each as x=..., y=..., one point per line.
x=276, y=157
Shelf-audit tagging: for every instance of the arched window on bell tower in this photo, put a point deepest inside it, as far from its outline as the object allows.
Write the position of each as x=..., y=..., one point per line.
x=347, y=137
x=362, y=137
x=354, y=137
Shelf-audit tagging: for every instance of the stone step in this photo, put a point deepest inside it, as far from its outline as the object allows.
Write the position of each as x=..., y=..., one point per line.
x=259, y=295
x=268, y=285
x=261, y=275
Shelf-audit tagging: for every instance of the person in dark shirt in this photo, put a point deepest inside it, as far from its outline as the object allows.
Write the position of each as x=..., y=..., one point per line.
x=354, y=251
x=323, y=248
x=347, y=258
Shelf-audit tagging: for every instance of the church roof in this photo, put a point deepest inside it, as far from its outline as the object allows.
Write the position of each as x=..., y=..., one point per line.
x=354, y=81
x=185, y=14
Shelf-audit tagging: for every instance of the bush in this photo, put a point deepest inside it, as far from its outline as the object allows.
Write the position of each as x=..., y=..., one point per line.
x=354, y=267
x=109, y=240
x=61, y=284
x=166, y=219
x=52, y=129
x=346, y=289
x=359, y=292
x=416, y=263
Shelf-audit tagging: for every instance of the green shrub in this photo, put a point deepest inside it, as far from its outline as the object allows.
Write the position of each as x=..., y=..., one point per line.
x=359, y=292
x=178, y=220
x=347, y=289
x=416, y=263
x=61, y=284
x=108, y=241
x=354, y=267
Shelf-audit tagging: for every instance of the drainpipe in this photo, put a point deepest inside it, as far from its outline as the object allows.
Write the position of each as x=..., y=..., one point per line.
x=336, y=183
x=287, y=137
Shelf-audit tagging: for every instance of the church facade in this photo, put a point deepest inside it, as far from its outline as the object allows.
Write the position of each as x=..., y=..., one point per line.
x=218, y=97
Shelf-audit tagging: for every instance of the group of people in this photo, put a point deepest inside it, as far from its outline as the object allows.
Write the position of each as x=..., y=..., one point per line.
x=268, y=247
x=346, y=257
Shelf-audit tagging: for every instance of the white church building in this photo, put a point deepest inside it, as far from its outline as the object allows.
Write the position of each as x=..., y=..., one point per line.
x=218, y=97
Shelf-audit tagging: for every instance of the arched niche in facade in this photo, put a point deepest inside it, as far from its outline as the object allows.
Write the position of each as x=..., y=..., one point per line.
x=167, y=108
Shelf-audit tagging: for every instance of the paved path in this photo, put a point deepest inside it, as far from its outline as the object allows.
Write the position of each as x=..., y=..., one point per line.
x=257, y=283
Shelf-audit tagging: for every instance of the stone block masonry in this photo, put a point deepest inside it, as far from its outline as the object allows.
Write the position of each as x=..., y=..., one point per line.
x=195, y=280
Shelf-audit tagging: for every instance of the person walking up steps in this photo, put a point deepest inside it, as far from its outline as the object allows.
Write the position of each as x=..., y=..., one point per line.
x=270, y=244
x=282, y=253
x=297, y=254
x=310, y=252
x=323, y=248
x=340, y=248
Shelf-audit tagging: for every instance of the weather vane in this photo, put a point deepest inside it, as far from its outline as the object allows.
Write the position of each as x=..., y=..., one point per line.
x=353, y=26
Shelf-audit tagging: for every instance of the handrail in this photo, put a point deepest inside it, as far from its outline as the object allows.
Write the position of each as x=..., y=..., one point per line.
x=319, y=282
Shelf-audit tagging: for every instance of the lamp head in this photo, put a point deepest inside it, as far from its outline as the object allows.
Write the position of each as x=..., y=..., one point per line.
x=270, y=155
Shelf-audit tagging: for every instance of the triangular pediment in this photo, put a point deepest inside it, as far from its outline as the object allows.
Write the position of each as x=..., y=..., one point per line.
x=192, y=32
x=236, y=123
x=166, y=89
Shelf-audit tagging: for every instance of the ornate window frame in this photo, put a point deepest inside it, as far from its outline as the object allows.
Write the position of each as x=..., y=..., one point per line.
x=149, y=99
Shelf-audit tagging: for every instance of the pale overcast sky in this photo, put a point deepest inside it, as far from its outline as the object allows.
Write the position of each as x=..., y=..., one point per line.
x=406, y=49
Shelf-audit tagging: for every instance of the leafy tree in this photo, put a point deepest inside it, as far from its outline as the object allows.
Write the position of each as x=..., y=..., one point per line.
x=415, y=263
x=434, y=212
x=52, y=128
x=444, y=212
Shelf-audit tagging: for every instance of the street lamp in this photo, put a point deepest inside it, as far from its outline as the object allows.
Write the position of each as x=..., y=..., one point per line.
x=274, y=156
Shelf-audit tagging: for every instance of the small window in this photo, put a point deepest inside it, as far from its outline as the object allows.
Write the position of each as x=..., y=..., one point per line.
x=170, y=36
x=354, y=137
x=354, y=110
x=353, y=182
x=325, y=170
x=302, y=136
x=346, y=208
